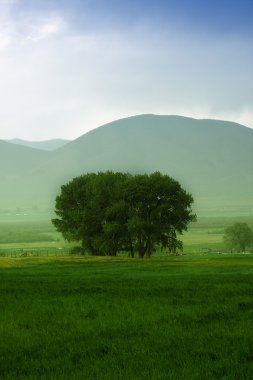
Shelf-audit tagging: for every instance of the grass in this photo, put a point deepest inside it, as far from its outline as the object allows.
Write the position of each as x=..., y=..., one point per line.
x=207, y=233
x=100, y=318
x=70, y=317
x=34, y=233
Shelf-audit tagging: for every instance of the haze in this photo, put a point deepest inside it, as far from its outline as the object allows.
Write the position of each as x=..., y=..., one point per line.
x=68, y=67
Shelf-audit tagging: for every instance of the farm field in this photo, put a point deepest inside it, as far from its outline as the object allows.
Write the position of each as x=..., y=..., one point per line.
x=76, y=317
x=65, y=316
x=34, y=234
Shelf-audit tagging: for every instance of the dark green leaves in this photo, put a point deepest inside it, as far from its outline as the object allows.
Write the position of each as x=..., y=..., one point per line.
x=111, y=212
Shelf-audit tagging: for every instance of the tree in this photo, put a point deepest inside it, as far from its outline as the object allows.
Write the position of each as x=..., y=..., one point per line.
x=111, y=212
x=238, y=236
x=90, y=209
x=158, y=209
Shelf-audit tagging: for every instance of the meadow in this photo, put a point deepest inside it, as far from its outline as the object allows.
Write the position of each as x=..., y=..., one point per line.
x=103, y=318
x=34, y=234
x=78, y=317
x=30, y=232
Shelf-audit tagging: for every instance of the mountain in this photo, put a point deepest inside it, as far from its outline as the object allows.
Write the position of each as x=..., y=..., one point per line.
x=18, y=174
x=211, y=158
x=43, y=145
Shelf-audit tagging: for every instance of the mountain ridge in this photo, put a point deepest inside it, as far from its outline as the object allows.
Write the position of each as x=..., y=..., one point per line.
x=51, y=144
x=211, y=158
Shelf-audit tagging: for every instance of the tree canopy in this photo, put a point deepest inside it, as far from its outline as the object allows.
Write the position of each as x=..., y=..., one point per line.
x=239, y=236
x=111, y=212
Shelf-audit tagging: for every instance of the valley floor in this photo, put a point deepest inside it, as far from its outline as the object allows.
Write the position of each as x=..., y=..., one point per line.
x=34, y=234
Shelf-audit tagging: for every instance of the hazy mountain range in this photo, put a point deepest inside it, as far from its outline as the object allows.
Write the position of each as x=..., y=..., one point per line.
x=212, y=159
x=44, y=145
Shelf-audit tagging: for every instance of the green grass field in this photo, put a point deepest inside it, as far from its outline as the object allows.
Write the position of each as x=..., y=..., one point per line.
x=101, y=318
x=32, y=233
x=35, y=234
x=78, y=317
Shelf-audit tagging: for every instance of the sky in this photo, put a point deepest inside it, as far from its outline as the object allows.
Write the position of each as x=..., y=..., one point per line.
x=67, y=67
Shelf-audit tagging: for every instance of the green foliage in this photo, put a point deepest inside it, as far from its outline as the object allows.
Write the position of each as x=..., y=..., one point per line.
x=111, y=212
x=239, y=236
x=159, y=209
x=108, y=318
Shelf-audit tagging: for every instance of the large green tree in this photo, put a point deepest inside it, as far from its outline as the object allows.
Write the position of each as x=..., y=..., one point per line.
x=239, y=236
x=159, y=209
x=111, y=212
x=90, y=209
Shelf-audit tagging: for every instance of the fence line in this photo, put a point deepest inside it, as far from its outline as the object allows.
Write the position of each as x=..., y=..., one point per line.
x=9, y=253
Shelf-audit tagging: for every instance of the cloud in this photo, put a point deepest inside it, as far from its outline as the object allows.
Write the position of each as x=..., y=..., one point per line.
x=5, y=38
x=45, y=28
x=60, y=80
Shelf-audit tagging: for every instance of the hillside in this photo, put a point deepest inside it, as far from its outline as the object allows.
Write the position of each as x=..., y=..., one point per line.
x=212, y=159
x=20, y=183
x=17, y=161
x=43, y=145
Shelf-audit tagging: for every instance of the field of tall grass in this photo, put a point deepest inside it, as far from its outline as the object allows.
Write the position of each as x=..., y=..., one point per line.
x=78, y=317
x=102, y=318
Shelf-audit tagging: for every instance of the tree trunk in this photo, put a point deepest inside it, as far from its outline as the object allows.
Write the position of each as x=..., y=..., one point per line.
x=131, y=250
x=141, y=250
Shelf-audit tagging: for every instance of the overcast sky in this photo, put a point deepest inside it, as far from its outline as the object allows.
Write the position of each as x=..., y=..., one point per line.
x=69, y=66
